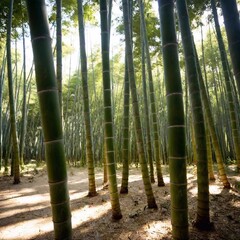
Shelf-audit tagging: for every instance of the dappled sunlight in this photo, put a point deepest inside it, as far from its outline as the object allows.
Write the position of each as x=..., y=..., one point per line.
x=166, y=179
x=215, y=189
x=76, y=195
x=133, y=178
x=31, y=228
x=41, y=199
x=235, y=204
x=27, y=212
x=24, y=200
x=37, y=202
x=88, y=213
x=155, y=229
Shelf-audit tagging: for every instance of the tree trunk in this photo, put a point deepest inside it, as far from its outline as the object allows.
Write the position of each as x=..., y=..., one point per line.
x=15, y=147
x=137, y=123
x=152, y=98
x=2, y=73
x=87, y=119
x=176, y=127
x=51, y=118
x=59, y=51
x=232, y=26
x=125, y=171
x=150, y=156
x=108, y=118
x=212, y=129
x=24, y=104
x=203, y=215
x=232, y=110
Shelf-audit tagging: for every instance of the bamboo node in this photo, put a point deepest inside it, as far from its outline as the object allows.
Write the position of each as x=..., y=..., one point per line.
x=54, y=141
x=184, y=157
x=57, y=183
x=176, y=126
x=41, y=37
x=48, y=90
x=175, y=93
x=170, y=44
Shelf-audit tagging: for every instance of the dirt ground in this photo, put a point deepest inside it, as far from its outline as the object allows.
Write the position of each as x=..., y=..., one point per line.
x=25, y=210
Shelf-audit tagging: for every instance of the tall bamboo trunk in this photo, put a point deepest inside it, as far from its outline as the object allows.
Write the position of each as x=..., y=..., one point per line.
x=232, y=110
x=152, y=98
x=24, y=104
x=126, y=119
x=125, y=171
x=87, y=118
x=51, y=118
x=108, y=118
x=15, y=147
x=232, y=26
x=2, y=73
x=150, y=156
x=209, y=152
x=137, y=123
x=212, y=129
x=203, y=216
x=176, y=123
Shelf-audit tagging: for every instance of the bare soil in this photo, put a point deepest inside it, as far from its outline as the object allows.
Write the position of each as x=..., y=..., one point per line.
x=25, y=211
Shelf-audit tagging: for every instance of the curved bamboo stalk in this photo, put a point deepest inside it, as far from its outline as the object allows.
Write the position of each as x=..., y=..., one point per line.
x=50, y=118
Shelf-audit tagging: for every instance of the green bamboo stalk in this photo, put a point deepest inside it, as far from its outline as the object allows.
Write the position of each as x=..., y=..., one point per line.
x=50, y=118
x=126, y=124
x=59, y=50
x=87, y=119
x=203, y=214
x=15, y=147
x=137, y=122
x=125, y=170
x=176, y=123
x=232, y=26
x=146, y=110
x=24, y=104
x=6, y=142
x=232, y=109
x=108, y=118
x=212, y=129
x=209, y=155
x=156, y=139
x=2, y=73
x=105, y=166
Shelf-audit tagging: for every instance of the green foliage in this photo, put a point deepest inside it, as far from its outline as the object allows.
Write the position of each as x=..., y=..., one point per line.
x=70, y=13
x=153, y=31
x=196, y=9
x=212, y=61
x=19, y=17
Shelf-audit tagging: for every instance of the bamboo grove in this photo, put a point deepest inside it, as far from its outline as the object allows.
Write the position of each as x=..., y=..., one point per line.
x=168, y=94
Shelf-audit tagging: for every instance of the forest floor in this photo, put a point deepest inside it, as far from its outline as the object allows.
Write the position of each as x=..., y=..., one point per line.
x=25, y=211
